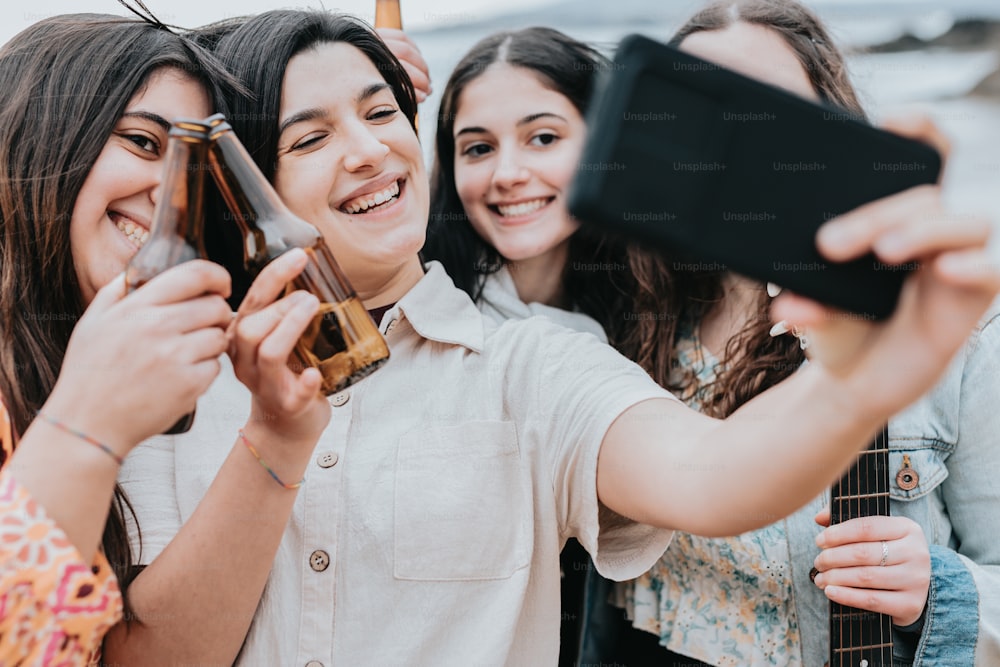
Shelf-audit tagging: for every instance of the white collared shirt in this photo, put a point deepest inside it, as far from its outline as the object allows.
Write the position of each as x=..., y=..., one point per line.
x=429, y=528
x=500, y=302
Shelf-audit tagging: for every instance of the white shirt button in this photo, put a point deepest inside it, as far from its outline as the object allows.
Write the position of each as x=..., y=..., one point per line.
x=319, y=560
x=340, y=398
x=327, y=459
x=314, y=663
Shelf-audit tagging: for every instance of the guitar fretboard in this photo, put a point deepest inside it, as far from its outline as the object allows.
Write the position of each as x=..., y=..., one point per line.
x=861, y=638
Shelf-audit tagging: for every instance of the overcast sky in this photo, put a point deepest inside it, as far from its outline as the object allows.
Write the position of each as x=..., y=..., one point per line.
x=15, y=15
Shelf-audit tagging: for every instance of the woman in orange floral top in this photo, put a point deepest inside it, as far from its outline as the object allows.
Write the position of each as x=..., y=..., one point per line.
x=86, y=371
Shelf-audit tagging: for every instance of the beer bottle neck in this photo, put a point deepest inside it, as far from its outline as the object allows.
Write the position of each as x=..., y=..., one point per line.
x=177, y=228
x=250, y=197
x=182, y=214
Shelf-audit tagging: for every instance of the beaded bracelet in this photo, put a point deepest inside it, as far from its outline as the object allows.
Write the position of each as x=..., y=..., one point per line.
x=83, y=436
x=243, y=437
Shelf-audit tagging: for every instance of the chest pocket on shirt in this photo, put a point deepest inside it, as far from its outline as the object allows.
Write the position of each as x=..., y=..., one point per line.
x=462, y=509
x=913, y=488
x=925, y=472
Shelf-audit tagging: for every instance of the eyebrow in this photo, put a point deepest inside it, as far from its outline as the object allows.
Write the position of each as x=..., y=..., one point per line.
x=524, y=121
x=150, y=116
x=313, y=113
x=301, y=117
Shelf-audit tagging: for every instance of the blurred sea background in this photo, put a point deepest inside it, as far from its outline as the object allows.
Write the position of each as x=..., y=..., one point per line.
x=940, y=58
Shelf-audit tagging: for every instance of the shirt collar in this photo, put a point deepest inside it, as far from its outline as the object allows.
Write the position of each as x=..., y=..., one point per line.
x=439, y=311
x=501, y=293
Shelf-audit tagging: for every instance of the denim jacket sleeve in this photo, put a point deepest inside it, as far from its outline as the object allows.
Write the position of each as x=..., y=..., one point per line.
x=950, y=627
x=962, y=625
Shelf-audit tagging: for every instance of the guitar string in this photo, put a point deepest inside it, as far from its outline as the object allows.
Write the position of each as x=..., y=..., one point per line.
x=881, y=509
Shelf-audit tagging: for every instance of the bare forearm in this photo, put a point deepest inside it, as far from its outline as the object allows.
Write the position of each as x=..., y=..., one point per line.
x=667, y=466
x=71, y=479
x=195, y=602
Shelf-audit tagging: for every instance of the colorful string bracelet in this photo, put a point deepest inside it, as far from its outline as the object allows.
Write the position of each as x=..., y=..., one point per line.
x=273, y=474
x=81, y=435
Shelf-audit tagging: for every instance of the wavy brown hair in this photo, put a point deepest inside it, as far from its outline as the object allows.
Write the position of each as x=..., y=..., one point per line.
x=668, y=298
x=66, y=82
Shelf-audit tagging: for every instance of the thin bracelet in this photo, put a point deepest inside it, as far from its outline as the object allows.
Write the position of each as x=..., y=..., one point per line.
x=83, y=436
x=243, y=437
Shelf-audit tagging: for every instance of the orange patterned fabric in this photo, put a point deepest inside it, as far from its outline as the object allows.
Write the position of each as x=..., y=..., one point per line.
x=54, y=607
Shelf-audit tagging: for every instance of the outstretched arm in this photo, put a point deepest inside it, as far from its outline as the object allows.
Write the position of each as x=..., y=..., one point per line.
x=780, y=449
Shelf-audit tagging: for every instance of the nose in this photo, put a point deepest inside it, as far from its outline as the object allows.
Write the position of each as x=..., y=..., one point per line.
x=364, y=149
x=510, y=170
x=154, y=193
x=150, y=179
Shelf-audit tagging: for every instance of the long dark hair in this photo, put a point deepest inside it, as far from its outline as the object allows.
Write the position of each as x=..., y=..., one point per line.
x=753, y=360
x=256, y=50
x=66, y=81
x=570, y=68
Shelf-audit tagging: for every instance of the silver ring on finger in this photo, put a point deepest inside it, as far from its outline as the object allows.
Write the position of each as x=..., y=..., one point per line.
x=885, y=554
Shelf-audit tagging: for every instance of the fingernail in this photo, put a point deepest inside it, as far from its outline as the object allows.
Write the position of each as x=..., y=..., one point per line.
x=779, y=329
x=773, y=290
x=835, y=236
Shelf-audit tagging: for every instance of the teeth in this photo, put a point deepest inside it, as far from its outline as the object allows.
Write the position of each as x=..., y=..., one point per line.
x=522, y=209
x=133, y=232
x=372, y=200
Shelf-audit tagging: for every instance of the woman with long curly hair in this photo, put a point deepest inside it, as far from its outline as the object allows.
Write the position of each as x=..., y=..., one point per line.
x=757, y=599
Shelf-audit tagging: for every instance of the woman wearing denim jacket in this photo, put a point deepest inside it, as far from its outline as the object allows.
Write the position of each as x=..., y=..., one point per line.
x=949, y=439
x=751, y=600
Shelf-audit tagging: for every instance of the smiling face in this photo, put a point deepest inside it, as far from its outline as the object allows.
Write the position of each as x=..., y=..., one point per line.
x=754, y=51
x=350, y=163
x=112, y=213
x=517, y=144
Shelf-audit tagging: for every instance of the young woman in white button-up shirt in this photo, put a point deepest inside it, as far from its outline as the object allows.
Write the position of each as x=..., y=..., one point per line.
x=473, y=436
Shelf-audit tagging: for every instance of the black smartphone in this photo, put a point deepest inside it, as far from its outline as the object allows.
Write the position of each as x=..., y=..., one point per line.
x=724, y=171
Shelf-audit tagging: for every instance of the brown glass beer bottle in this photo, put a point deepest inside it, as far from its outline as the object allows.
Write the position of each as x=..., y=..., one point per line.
x=176, y=231
x=342, y=341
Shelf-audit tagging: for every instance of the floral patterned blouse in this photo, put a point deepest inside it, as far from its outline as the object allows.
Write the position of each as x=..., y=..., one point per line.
x=54, y=607
x=724, y=601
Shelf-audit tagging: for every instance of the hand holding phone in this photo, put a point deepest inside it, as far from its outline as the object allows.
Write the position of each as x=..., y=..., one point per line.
x=723, y=171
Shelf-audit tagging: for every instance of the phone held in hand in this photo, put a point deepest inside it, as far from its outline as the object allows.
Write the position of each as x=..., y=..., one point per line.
x=722, y=171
